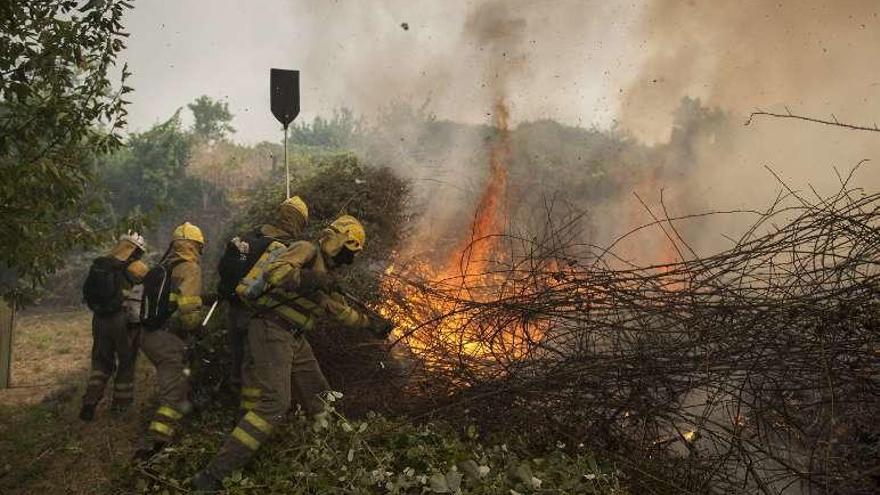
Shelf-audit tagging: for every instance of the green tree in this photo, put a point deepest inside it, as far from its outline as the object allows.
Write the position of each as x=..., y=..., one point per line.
x=212, y=118
x=337, y=132
x=59, y=108
x=150, y=174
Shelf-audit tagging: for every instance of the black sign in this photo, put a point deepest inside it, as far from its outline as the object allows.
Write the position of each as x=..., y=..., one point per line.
x=284, y=90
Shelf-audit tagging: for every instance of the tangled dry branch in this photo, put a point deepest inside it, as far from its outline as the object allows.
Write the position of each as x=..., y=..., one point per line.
x=756, y=369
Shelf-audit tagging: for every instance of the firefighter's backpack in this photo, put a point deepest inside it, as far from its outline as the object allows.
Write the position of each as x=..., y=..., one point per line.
x=241, y=254
x=156, y=304
x=254, y=283
x=104, y=285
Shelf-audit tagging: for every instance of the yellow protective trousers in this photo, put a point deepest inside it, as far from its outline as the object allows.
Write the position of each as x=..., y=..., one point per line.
x=114, y=350
x=167, y=352
x=280, y=361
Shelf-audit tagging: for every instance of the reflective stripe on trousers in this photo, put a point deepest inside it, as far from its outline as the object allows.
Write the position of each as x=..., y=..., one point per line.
x=249, y=398
x=166, y=351
x=252, y=431
x=123, y=391
x=282, y=362
x=165, y=422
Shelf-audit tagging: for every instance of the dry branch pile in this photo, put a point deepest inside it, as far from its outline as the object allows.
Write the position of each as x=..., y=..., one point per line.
x=756, y=369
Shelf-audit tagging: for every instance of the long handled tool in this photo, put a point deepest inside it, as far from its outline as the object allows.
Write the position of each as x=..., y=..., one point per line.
x=210, y=314
x=191, y=353
x=284, y=95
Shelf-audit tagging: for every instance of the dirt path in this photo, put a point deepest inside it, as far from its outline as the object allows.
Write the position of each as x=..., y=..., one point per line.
x=44, y=447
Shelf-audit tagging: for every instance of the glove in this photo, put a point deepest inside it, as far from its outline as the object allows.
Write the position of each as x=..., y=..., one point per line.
x=136, y=271
x=312, y=281
x=209, y=299
x=381, y=327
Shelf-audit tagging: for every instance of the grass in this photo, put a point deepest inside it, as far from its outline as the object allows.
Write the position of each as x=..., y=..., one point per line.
x=40, y=337
x=44, y=448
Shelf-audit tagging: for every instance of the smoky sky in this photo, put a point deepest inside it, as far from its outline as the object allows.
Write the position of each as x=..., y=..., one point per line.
x=567, y=59
x=620, y=65
x=812, y=57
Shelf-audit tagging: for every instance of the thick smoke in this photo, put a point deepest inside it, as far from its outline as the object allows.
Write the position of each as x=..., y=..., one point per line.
x=584, y=63
x=556, y=59
x=814, y=57
x=464, y=62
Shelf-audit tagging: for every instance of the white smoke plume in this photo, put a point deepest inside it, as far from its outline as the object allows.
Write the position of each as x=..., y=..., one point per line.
x=590, y=63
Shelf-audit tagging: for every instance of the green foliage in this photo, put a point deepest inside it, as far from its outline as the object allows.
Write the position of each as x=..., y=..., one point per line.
x=147, y=185
x=588, y=166
x=339, y=131
x=58, y=109
x=151, y=172
x=212, y=118
x=336, y=183
x=378, y=456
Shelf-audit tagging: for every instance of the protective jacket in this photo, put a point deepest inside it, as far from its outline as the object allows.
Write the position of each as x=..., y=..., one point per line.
x=288, y=289
x=186, y=282
x=282, y=360
x=282, y=273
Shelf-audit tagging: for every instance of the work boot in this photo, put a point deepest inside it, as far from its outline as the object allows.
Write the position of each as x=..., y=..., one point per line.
x=147, y=451
x=87, y=413
x=204, y=481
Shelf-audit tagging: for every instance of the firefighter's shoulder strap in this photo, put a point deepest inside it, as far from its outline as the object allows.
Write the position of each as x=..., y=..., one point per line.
x=156, y=304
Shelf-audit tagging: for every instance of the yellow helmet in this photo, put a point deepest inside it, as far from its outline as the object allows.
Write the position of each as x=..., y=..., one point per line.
x=293, y=214
x=354, y=232
x=188, y=231
x=294, y=204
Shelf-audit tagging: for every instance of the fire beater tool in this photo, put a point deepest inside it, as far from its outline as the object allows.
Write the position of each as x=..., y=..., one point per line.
x=284, y=98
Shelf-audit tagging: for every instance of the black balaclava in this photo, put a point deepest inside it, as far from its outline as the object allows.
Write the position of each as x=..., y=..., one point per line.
x=345, y=256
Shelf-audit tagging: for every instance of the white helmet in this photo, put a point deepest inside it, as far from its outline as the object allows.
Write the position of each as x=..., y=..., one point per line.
x=136, y=239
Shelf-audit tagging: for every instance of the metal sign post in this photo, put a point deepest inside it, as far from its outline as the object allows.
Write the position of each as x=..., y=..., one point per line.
x=284, y=98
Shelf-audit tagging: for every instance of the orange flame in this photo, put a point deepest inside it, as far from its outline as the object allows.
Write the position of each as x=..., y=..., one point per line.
x=473, y=253
x=437, y=325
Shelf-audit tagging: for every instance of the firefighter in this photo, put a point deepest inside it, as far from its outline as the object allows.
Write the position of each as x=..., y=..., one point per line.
x=111, y=281
x=240, y=255
x=289, y=289
x=171, y=313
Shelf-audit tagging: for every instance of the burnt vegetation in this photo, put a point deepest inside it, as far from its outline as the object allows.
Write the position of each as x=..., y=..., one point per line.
x=750, y=370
